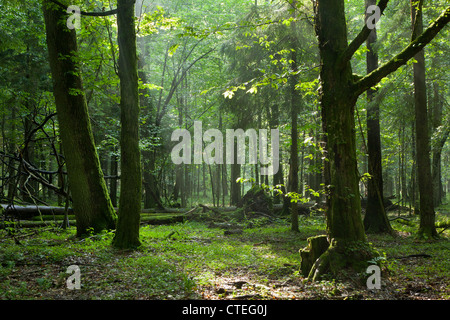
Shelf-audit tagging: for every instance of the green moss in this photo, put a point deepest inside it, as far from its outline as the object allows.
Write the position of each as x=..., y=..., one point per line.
x=343, y=258
x=316, y=247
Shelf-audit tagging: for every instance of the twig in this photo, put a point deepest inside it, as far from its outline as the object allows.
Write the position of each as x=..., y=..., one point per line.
x=190, y=211
x=172, y=234
x=400, y=218
x=208, y=208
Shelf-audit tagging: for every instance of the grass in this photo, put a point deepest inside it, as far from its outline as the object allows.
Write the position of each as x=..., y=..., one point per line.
x=194, y=261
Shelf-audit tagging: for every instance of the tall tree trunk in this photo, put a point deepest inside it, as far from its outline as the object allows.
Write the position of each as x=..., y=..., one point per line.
x=338, y=105
x=278, y=178
x=293, y=156
x=204, y=178
x=293, y=169
x=235, y=191
x=91, y=201
x=185, y=186
x=11, y=149
x=427, y=227
x=224, y=183
x=344, y=223
x=152, y=197
x=114, y=171
x=375, y=219
x=28, y=187
x=413, y=192
x=438, y=190
x=127, y=233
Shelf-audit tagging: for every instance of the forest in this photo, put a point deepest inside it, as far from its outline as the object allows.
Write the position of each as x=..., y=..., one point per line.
x=224, y=150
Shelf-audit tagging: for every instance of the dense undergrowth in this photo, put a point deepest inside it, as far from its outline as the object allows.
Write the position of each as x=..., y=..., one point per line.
x=199, y=260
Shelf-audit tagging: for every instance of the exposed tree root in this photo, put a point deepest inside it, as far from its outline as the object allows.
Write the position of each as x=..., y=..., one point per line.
x=339, y=259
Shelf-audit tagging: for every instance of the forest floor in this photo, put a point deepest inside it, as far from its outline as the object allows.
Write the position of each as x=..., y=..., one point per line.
x=198, y=259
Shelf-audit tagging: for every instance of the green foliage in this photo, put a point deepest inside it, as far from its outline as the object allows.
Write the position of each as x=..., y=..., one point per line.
x=151, y=23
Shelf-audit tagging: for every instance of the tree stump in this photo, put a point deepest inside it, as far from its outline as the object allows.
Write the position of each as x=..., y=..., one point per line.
x=342, y=259
x=316, y=247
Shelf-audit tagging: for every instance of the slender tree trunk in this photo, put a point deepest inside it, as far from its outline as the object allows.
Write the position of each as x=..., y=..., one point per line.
x=224, y=183
x=438, y=190
x=28, y=187
x=185, y=187
x=375, y=219
x=414, y=193
x=235, y=186
x=278, y=178
x=152, y=196
x=127, y=233
x=12, y=149
x=91, y=201
x=179, y=169
x=204, y=178
x=293, y=169
x=114, y=171
x=427, y=227
x=405, y=195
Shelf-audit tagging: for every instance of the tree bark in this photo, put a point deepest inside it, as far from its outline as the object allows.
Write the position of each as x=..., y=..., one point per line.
x=114, y=171
x=91, y=201
x=438, y=190
x=375, y=219
x=427, y=227
x=293, y=168
x=127, y=233
x=235, y=186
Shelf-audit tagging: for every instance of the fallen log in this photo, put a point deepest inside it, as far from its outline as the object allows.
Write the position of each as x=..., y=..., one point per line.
x=161, y=219
x=145, y=220
x=33, y=224
x=28, y=212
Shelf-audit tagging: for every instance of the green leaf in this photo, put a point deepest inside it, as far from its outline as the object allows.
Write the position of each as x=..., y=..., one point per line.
x=173, y=49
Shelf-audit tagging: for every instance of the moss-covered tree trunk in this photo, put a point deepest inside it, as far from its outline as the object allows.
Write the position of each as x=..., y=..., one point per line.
x=91, y=201
x=339, y=92
x=344, y=223
x=338, y=103
x=127, y=233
